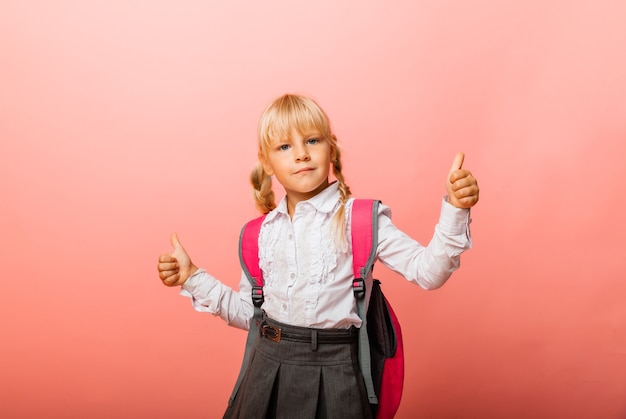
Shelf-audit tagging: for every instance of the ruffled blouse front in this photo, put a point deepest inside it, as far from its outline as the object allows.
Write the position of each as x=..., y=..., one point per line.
x=298, y=258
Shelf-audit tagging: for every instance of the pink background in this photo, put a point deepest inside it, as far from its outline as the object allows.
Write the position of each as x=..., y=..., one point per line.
x=121, y=122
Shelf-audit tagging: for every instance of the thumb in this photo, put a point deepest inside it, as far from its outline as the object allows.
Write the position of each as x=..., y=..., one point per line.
x=175, y=242
x=458, y=162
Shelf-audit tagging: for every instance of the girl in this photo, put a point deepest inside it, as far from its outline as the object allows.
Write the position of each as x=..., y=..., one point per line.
x=307, y=265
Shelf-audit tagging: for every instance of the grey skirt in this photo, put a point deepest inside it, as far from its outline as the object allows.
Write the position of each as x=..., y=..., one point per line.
x=297, y=372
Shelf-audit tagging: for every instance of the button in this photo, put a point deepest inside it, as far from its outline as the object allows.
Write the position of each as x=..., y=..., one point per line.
x=292, y=275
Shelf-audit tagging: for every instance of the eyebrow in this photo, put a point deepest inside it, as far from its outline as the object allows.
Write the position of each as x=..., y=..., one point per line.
x=307, y=134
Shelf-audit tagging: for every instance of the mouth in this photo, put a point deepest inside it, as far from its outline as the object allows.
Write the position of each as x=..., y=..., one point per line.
x=304, y=170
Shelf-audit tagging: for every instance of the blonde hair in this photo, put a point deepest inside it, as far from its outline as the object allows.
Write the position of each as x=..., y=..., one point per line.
x=277, y=121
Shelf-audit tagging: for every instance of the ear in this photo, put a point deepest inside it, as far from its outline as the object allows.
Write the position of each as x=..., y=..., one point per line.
x=266, y=166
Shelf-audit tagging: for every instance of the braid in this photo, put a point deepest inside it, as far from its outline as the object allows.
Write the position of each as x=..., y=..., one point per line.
x=263, y=193
x=343, y=188
x=339, y=220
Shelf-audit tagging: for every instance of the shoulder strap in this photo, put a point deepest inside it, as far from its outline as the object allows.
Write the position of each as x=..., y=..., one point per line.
x=364, y=228
x=249, y=259
x=364, y=232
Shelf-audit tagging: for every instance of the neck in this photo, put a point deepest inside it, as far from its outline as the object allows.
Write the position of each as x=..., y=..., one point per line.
x=294, y=197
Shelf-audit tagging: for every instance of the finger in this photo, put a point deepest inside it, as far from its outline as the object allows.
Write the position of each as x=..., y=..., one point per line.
x=458, y=162
x=462, y=175
x=175, y=242
x=166, y=259
x=171, y=280
x=167, y=274
x=162, y=267
x=461, y=179
x=466, y=192
x=468, y=201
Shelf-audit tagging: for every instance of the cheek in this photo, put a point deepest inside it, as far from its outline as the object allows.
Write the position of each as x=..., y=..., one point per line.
x=279, y=166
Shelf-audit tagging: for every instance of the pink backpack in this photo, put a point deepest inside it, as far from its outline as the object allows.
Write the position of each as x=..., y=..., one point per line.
x=381, y=354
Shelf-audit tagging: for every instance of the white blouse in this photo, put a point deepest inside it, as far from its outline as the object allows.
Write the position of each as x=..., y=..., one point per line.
x=308, y=279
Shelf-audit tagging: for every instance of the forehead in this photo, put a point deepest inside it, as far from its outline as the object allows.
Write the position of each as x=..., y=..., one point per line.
x=286, y=126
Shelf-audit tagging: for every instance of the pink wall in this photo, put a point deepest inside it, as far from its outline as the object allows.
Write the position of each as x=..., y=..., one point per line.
x=121, y=122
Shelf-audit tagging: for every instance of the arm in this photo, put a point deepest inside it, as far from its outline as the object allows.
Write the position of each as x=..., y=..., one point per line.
x=428, y=266
x=207, y=293
x=431, y=266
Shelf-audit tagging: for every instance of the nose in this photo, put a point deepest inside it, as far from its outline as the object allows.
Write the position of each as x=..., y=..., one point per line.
x=301, y=154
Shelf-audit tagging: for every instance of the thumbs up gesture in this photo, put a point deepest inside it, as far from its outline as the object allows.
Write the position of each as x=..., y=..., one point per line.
x=174, y=268
x=461, y=185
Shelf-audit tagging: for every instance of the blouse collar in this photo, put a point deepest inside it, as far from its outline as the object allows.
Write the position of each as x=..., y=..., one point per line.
x=325, y=201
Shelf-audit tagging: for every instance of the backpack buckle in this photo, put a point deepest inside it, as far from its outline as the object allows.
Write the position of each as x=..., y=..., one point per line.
x=358, y=286
x=257, y=296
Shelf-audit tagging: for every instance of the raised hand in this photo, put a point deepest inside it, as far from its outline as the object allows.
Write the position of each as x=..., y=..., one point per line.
x=461, y=185
x=174, y=268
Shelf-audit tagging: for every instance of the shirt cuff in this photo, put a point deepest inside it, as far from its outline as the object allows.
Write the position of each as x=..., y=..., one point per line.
x=193, y=283
x=452, y=220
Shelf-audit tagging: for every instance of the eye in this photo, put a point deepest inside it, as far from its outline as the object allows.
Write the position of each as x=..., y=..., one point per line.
x=313, y=141
x=283, y=147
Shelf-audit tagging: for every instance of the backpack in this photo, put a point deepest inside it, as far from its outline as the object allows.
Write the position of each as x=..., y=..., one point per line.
x=381, y=356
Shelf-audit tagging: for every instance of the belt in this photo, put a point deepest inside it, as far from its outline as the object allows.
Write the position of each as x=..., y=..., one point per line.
x=277, y=333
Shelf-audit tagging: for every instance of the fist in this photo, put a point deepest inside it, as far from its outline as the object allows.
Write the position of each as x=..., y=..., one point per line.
x=462, y=187
x=174, y=268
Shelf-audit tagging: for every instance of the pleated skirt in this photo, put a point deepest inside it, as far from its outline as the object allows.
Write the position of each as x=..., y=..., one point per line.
x=303, y=378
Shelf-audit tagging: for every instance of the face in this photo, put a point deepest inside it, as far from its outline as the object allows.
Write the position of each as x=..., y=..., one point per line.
x=301, y=163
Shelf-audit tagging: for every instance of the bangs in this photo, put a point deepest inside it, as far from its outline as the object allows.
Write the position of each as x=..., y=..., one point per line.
x=291, y=112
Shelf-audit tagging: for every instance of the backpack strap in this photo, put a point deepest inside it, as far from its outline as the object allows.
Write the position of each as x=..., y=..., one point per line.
x=249, y=259
x=364, y=232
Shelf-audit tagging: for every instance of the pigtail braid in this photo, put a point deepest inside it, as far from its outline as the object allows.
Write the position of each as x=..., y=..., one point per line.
x=263, y=193
x=339, y=220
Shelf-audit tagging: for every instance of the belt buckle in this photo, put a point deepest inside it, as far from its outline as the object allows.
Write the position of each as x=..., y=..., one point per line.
x=271, y=332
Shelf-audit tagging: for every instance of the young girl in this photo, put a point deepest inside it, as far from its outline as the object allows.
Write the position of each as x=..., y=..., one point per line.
x=306, y=261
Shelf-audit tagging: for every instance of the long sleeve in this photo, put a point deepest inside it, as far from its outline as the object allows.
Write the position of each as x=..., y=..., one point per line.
x=428, y=266
x=209, y=295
